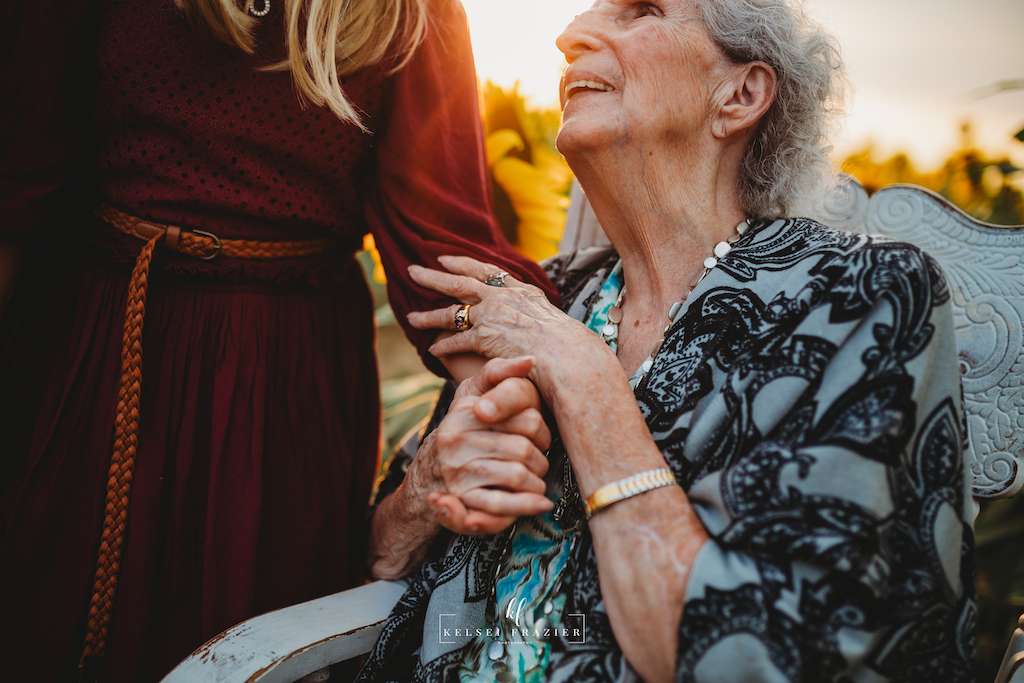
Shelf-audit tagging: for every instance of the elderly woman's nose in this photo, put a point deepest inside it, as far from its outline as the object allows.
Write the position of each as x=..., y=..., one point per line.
x=578, y=37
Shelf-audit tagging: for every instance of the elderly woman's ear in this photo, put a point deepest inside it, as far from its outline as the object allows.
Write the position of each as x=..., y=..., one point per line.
x=747, y=93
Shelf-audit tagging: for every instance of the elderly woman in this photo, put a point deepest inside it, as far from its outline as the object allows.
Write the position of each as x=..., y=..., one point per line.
x=757, y=470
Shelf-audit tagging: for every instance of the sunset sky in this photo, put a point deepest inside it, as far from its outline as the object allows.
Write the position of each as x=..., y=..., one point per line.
x=914, y=65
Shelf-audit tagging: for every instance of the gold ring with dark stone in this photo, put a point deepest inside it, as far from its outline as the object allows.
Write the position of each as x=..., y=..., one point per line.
x=462, y=319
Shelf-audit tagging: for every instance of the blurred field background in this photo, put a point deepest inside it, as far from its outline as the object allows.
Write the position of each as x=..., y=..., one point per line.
x=938, y=102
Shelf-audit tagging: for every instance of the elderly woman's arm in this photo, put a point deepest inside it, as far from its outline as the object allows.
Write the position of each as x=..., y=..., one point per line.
x=645, y=546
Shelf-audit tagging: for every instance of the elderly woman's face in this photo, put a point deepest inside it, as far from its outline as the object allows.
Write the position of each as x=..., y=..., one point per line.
x=639, y=73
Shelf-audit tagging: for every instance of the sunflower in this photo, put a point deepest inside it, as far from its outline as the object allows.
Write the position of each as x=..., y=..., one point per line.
x=534, y=193
x=530, y=180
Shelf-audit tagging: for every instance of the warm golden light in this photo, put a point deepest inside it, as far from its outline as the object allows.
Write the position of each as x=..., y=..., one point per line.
x=913, y=64
x=516, y=41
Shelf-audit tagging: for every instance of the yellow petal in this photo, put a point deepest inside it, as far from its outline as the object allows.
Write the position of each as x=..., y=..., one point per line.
x=378, y=267
x=535, y=248
x=500, y=142
x=553, y=165
x=537, y=203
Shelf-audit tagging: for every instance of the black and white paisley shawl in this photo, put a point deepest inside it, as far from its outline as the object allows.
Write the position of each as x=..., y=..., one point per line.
x=809, y=403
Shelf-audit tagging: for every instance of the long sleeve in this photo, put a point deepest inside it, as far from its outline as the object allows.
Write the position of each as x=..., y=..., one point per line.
x=43, y=86
x=840, y=542
x=432, y=190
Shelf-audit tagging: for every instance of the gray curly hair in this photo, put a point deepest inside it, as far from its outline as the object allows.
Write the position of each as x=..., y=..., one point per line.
x=786, y=163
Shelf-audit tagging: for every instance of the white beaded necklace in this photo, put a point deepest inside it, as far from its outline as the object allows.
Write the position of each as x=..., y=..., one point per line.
x=611, y=329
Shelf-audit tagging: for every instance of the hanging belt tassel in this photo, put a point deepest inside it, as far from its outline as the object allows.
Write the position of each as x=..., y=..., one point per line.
x=122, y=465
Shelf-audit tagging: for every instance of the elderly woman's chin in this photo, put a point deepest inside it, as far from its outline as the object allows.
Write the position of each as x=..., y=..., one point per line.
x=582, y=134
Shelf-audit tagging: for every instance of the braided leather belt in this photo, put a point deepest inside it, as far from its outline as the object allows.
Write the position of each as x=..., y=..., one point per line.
x=206, y=245
x=199, y=244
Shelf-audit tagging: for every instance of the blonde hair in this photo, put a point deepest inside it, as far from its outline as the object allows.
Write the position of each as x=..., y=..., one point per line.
x=327, y=39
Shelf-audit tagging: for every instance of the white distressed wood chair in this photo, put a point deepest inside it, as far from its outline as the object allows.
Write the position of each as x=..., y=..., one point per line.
x=985, y=268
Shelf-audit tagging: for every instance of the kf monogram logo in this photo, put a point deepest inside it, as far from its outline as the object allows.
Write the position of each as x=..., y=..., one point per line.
x=512, y=611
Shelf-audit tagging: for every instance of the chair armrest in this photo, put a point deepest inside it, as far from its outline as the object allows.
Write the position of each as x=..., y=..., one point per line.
x=1012, y=669
x=284, y=645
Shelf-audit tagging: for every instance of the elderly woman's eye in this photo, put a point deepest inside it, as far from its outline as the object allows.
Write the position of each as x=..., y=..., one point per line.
x=647, y=9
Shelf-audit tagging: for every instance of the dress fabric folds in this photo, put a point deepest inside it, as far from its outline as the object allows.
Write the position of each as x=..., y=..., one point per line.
x=259, y=425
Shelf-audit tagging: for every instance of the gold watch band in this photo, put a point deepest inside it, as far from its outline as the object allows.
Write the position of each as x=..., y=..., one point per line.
x=627, y=488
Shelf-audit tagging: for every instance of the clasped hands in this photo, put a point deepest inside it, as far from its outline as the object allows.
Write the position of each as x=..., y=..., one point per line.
x=484, y=465
x=486, y=462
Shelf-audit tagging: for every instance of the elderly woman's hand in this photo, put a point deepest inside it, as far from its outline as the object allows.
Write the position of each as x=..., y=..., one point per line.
x=484, y=465
x=508, y=321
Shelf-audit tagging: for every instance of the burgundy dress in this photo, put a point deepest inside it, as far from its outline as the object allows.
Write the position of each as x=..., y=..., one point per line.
x=260, y=413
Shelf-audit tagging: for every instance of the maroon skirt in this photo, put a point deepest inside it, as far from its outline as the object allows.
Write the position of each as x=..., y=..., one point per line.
x=258, y=442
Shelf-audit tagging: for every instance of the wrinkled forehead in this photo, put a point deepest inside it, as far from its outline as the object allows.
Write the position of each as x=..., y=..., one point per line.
x=677, y=4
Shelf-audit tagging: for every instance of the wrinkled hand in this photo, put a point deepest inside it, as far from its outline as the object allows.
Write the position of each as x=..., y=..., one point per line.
x=507, y=322
x=486, y=464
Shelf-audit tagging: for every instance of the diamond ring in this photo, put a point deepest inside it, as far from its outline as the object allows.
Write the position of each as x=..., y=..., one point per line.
x=497, y=279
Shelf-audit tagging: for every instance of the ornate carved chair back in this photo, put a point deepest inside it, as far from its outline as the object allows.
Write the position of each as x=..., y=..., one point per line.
x=985, y=268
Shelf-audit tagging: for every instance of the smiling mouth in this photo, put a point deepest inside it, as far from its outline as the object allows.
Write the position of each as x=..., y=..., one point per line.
x=582, y=86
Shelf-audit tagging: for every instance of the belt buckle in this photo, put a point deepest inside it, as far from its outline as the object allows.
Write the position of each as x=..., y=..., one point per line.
x=216, y=244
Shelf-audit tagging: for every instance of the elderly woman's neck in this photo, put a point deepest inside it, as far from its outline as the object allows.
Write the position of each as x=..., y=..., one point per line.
x=663, y=224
